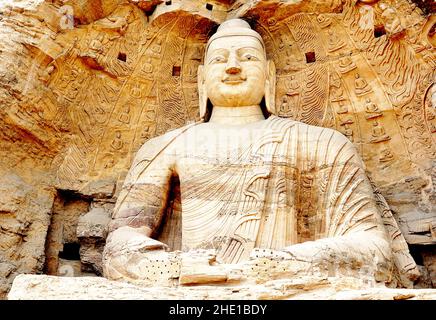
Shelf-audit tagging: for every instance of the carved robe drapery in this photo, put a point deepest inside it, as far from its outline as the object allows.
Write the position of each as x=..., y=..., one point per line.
x=285, y=183
x=292, y=183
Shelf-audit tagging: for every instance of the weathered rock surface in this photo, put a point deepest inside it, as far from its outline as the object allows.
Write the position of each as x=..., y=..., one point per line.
x=92, y=232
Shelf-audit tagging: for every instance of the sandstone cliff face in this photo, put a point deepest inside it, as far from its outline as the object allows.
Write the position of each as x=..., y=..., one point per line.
x=83, y=86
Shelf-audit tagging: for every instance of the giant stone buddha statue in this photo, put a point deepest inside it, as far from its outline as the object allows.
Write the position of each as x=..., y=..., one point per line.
x=252, y=186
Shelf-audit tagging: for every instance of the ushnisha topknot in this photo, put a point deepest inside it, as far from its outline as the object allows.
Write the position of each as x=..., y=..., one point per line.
x=234, y=27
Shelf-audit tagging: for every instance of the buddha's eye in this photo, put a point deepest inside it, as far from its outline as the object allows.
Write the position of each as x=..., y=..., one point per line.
x=217, y=59
x=249, y=57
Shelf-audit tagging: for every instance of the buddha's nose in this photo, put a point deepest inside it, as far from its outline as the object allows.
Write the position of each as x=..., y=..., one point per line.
x=233, y=66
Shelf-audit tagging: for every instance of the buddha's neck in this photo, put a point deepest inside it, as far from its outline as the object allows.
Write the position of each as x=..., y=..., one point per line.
x=236, y=115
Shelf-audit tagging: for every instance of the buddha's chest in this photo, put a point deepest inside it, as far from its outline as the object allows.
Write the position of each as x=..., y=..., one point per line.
x=209, y=148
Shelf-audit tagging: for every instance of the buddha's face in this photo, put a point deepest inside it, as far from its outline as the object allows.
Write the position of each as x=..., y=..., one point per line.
x=235, y=71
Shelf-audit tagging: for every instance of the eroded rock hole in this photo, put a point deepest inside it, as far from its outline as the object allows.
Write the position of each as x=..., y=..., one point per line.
x=310, y=57
x=379, y=31
x=122, y=57
x=176, y=71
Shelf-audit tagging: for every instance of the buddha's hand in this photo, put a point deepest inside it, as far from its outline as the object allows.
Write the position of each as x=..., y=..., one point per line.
x=131, y=255
x=266, y=264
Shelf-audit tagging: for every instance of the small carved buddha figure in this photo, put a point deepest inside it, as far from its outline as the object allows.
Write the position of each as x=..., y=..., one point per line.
x=348, y=132
x=145, y=134
x=372, y=110
x=120, y=24
x=124, y=116
x=334, y=42
x=413, y=15
x=196, y=54
x=100, y=114
x=343, y=108
x=378, y=133
x=96, y=45
x=288, y=106
x=156, y=48
x=336, y=91
x=347, y=119
x=194, y=96
x=110, y=162
x=323, y=21
x=147, y=67
x=244, y=179
x=361, y=86
x=293, y=86
x=117, y=143
x=46, y=73
x=386, y=155
x=74, y=84
x=346, y=64
x=192, y=72
x=284, y=105
x=291, y=63
x=392, y=21
x=135, y=91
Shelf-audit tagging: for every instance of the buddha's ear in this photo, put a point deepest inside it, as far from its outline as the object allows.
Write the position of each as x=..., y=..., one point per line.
x=202, y=94
x=270, y=87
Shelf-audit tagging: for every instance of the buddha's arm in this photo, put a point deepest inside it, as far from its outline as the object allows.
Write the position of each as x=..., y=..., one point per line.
x=144, y=196
x=369, y=251
x=138, y=213
x=366, y=250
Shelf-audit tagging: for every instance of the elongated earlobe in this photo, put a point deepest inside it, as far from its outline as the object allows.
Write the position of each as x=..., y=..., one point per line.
x=202, y=94
x=270, y=88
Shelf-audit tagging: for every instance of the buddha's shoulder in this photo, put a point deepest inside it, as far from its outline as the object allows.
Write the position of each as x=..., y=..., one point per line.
x=156, y=145
x=311, y=133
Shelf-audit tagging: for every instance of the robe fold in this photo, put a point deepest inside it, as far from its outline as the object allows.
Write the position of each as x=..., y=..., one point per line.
x=286, y=183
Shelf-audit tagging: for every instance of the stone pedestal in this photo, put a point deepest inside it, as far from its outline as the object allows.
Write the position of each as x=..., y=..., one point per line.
x=41, y=287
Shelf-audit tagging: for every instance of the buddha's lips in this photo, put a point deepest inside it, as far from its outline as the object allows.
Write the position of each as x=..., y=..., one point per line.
x=234, y=80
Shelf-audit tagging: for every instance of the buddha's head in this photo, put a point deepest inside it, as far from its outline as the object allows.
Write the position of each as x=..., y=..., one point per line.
x=236, y=72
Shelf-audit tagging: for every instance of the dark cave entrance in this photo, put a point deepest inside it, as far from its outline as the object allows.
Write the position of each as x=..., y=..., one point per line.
x=62, y=246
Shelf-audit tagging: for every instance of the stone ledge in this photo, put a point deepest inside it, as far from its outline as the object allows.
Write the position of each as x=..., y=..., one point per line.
x=41, y=287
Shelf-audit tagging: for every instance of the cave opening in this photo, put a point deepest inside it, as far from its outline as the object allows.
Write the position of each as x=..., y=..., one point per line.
x=70, y=251
x=415, y=252
x=62, y=247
